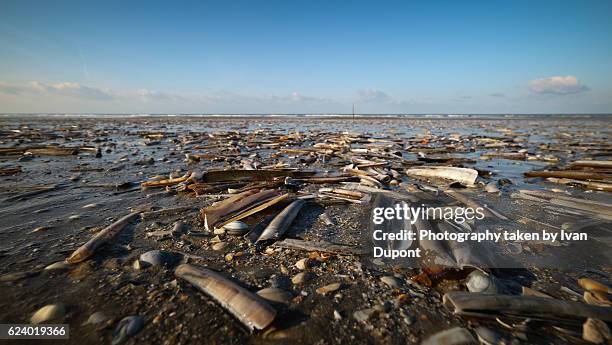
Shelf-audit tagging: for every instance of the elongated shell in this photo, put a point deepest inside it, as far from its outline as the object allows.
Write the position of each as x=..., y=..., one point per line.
x=471, y=304
x=281, y=222
x=593, y=285
x=464, y=175
x=101, y=238
x=249, y=308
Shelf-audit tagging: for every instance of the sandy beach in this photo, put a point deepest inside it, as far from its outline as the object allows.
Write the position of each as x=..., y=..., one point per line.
x=65, y=180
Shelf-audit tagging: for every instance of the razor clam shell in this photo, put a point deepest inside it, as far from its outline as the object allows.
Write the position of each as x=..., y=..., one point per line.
x=462, y=175
x=490, y=305
x=101, y=238
x=281, y=222
x=249, y=308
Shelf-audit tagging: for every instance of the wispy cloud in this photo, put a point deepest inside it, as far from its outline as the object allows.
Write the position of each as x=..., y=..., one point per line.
x=557, y=85
x=76, y=91
x=374, y=96
x=66, y=89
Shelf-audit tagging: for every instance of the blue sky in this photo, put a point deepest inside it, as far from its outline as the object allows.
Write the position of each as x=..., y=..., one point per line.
x=306, y=56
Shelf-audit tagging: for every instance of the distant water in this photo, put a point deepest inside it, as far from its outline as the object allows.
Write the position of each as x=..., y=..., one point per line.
x=331, y=115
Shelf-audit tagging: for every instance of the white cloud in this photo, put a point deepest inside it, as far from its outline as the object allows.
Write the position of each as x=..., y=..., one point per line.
x=67, y=89
x=557, y=85
x=374, y=96
x=34, y=95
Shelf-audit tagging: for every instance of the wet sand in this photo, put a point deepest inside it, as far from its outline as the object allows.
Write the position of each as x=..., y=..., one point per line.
x=52, y=204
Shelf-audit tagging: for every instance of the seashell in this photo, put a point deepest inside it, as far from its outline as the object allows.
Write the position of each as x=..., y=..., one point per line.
x=275, y=295
x=159, y=258
x=364, y=314
x=127, y=327
x=596, y=331
x=463, y=175
x=101, y=238
x=597, y=298
x=463, y=303
x=48, y=313
x=96, y=318
x=303, y=264
x=329, y=288
x=453, y=336
x=236, y=228
x=391, y=281
x=593, y=285
x=137, y=265
x=219, y=246
x=301, y=278
x=60, y=265
x=249, y=308
x=477, y=281
x=281, y=222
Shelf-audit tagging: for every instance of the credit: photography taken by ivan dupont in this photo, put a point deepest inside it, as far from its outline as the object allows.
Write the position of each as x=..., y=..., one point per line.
x=305, y=172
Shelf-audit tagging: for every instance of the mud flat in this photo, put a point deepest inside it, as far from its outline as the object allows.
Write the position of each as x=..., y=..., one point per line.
x=177, y=230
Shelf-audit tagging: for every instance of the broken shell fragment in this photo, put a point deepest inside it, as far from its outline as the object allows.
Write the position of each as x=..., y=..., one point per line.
x=275, y=295
x=323, y=290
x=301, y=278
x=303, y=264
x=596, y=331
x=593, y=285
x=391, y=281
